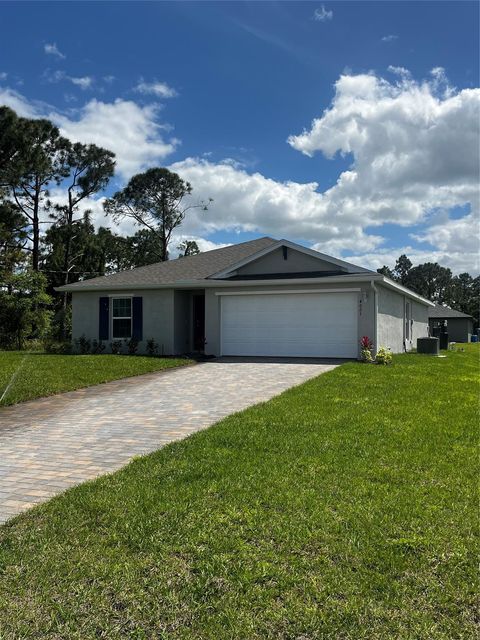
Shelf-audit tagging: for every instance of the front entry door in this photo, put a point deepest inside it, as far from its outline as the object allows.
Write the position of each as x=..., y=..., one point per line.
x=199, y=323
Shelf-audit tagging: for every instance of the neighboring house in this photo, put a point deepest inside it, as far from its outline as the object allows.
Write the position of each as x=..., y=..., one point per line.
x=459, y=326
x=265, y=297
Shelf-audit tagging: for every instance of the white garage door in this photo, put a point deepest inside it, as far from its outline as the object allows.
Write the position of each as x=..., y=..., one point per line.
x=297, y=325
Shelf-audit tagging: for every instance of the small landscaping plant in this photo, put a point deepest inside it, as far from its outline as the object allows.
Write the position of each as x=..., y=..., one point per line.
x=152, y=347
x=366, y=349
x=116, y=347
x=384, y=356
x=83, y=345
x=34, y=344
x=132, y=346
x=57, y=347
x=97, y=347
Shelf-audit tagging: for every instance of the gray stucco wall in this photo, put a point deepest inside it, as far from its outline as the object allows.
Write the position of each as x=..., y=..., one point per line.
x=390, y=323
x=167, y=315
x=158, y=316
x=420, y=322
x=213, y=302
x=296, y=261
x=391, y=320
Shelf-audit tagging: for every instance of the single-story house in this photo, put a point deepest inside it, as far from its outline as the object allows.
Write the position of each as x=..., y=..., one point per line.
x=264, y=297
x=458, y=325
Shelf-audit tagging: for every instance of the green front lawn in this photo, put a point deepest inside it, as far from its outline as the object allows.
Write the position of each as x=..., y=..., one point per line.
x=34, y=375
x=346, y=508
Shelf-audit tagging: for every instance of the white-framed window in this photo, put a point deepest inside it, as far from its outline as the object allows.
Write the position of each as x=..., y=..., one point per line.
x=121, y=318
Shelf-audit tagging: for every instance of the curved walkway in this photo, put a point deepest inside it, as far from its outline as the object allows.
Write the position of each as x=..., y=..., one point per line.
x=51, y=444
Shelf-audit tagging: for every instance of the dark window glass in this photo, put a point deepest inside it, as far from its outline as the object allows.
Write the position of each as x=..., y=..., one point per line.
x=122, y=328
x=122, y=307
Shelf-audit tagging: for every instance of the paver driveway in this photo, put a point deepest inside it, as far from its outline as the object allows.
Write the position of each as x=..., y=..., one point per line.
x=51, y=444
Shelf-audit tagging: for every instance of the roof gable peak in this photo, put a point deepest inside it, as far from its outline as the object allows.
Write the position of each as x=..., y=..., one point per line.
x=341, y=265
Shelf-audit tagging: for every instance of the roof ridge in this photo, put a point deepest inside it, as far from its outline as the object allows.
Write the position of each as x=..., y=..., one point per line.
x=239, y=244
x=448, y=312
x=227, y=246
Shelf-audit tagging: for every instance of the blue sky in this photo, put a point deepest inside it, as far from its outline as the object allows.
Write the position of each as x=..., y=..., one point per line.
x=223, y=86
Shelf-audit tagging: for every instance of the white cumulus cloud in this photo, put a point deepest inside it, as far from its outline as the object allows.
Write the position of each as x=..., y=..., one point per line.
x=456, y=235
x=16, y=101
x=53, y=50
x=84, y=82
x=156, y=88
x=131, y=131
x=255, y=203
x=390, y=38
x=322, y=14
x=414, y=148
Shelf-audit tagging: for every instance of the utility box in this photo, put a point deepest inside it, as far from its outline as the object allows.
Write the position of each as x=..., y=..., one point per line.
x=429, y=346
x=443, y=337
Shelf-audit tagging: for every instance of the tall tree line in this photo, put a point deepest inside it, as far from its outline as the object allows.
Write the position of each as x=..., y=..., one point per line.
x=438, y=284
x=47, y=238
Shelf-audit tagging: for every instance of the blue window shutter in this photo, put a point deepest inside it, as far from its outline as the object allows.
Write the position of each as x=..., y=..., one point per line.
x=103, y=318
x=137, y=322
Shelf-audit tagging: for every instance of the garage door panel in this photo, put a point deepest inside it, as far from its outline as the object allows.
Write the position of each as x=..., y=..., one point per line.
x=317, y=324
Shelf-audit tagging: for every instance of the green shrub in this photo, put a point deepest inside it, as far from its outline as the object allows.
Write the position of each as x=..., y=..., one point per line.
x=97, y=347
x=61, y=325
x=384, y=356
x=24, y=309
x=116, y=347
x=366, y=355
x=57, y=347
x=83, y=345
x=132, y=346
x=152, y=347
x=34, y=344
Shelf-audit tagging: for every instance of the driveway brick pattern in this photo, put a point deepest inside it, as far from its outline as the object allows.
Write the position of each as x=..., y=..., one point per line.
x=51, y=444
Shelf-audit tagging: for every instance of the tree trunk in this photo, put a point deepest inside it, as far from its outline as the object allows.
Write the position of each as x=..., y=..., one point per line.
x=36, y=228
x=36, y=242
x=164, y=243
x=164, y=249
x=66, y=263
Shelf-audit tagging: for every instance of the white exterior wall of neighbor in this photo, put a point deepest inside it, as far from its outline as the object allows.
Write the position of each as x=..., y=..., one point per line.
x=365, y=308
x=158, y=316
x=391, y=320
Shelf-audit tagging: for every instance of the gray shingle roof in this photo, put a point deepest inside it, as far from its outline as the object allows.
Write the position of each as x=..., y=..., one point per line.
x=445, y=312
x=183, y=269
